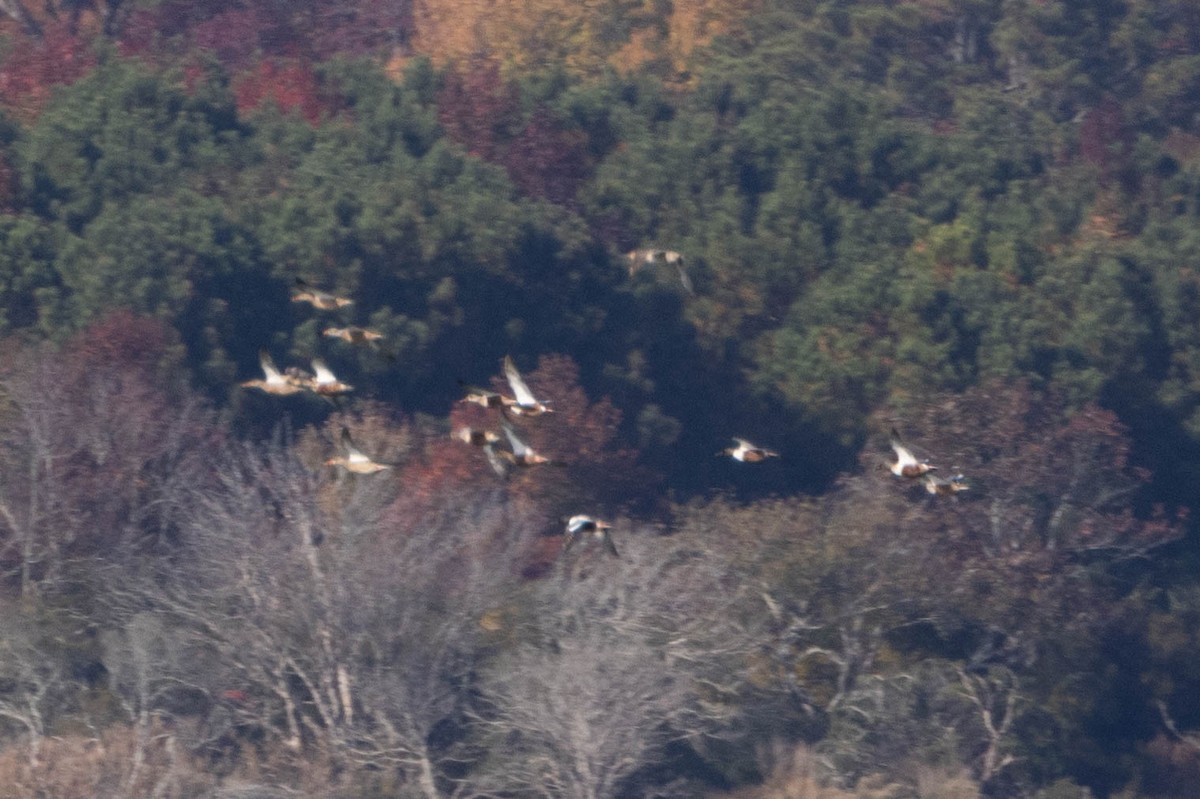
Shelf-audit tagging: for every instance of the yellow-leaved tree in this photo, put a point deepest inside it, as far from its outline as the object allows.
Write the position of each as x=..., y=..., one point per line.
x=586, y=35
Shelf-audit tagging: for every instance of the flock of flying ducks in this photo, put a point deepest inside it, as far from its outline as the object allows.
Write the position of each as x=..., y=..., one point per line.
x=522, y=403
x=321, y=381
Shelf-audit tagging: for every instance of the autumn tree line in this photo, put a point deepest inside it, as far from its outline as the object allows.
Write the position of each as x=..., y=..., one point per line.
x=972, y=220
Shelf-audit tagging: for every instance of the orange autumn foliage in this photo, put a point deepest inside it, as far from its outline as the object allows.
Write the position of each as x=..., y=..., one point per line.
x=589, y=36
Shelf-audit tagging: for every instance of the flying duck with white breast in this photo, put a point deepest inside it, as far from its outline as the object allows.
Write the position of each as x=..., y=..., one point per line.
x=522, y=454
x=354, y=459
x=325, y=382
x=906, y=464
x=273, y=381
x=746, y=452
x=582, y=525
x=525, y=403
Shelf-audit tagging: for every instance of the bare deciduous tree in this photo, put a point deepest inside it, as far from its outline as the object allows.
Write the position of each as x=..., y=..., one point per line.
x=620, y=657
x=33, y=685
x=578, y=718
x=97, y=450
x=338, y=630
x=923, y=713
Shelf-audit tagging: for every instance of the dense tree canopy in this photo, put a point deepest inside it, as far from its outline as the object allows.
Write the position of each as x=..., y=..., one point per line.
x=967, y=223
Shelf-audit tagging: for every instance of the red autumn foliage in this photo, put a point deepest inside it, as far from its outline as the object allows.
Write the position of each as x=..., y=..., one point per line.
x=482, y=112
x=452, y=486
x=120, y=340
x=137, y=424
x=1105, y=138
x=578, y=431
x=337, y=27
x=547, y=161
x=140, y=33
x=291, y=86
x=234, y=36
x=451, y=492
x=478, y=109
x=581, y=437
x=445, y=468
x=237, y=31
x=33, y=67
x=226, y=29
x=1047, y=487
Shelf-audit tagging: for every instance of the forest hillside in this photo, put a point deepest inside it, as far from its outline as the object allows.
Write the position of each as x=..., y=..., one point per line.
x=382, y=377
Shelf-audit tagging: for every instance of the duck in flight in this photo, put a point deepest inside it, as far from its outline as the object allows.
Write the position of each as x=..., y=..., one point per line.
x=522, y=454
x=358, y=336
x=273, y=381
x=524, y=404
x=476, y=438
x=906, y=464
x=746, y=452
x=942, y=486
x=324, y=382
x=582, y=525
x=320, y=299
x=485, y=440
x=486, y=398
x=354, y=460
x=499, y=460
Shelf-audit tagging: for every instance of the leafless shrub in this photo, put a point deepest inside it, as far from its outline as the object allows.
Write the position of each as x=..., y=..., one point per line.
x=34, y=688
x=794, y=771
x=74, y=766
x=942, y=783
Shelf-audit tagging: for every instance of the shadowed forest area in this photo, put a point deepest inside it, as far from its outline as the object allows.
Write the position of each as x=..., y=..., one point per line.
x=973, y=222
